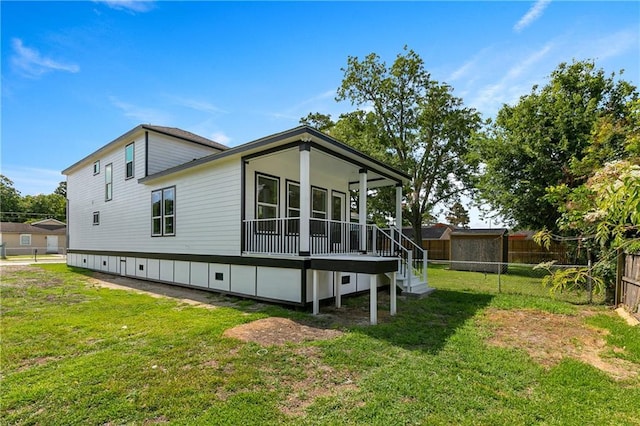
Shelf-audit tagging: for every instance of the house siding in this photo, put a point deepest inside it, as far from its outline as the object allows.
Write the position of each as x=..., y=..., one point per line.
x=207, y=208
x=165, y=152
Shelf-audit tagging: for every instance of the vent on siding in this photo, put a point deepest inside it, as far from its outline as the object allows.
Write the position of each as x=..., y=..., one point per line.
x=346, y=279
x=141, y=267
x=219, y=276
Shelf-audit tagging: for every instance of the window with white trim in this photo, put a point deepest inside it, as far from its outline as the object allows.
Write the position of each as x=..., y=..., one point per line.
x=25, y=239
x=108, y=182
x=163, y=212
x=96, y=167
x=96, y=218
x=318, y=210
x=128, y=160
x=267, y=202
x=293, y=207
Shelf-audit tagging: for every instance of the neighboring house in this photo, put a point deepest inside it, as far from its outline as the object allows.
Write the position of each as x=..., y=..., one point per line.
x=481, y=250
x=45, y=236
x=268, y=219
x=435, y=240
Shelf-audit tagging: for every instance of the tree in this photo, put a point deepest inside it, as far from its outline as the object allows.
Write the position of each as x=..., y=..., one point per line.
x=61, y=189
x=545, y=141
x=458, y=215
x=414, y=123
x=43, y=206
x=9, y=200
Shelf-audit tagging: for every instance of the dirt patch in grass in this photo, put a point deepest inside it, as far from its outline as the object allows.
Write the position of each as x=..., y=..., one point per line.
x=548, y=338
x=279, y=331
x=27, y=276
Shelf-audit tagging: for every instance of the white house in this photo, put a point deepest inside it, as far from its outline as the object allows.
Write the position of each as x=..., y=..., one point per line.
x=268, y=219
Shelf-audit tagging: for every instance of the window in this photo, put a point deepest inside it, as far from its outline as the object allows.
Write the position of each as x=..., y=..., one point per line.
x=128, y=160
x=96, y=218
x=267, y=202
x=25, y=239
x=163, y=212
x=108, y=182
x=96, y=167
x=318, y=203
x=318, y=211
x=293, y=207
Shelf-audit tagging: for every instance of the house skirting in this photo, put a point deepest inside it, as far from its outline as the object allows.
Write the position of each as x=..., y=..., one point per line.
x=288, y=280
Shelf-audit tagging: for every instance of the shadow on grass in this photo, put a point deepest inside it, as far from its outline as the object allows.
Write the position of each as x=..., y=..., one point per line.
x=426, y=324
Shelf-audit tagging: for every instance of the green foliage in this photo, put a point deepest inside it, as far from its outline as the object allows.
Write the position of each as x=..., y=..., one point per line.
x=552, y=138
x=570, y=279
x=9, y=199
x=31, y=208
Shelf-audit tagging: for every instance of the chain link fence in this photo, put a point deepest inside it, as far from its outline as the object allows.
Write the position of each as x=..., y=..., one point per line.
x=513, y=278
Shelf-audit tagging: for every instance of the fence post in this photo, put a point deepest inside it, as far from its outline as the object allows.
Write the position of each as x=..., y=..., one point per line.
x=619, y=271
x=409, y=273
x=424, y=267
x=589, y=281
x=499, y=281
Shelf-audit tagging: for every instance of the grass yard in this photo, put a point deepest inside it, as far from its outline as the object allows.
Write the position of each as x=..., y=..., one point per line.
x=74, y=352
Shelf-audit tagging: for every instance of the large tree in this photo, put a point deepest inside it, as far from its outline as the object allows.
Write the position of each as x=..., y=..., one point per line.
x=412, y=122
x=547, y=139
x=9, y=200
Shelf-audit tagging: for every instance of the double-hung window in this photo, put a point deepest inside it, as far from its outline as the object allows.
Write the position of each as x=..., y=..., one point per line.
x=108, y=182
x=25, y=239
x=96, y=167
x=318, y=210
x=293, y=207
x=163, y=212
x=267, y=202
x=96, y=218
x=128, y=160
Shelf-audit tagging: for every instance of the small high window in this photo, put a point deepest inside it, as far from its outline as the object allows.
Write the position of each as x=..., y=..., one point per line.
x=128, y=160
x=96, y=167
x=96, y=218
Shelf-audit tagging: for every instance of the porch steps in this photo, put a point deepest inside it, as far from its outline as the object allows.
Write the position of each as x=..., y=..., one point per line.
x=417, y=289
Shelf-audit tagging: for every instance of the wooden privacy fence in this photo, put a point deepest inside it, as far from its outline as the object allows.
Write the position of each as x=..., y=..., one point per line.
x=628, y=288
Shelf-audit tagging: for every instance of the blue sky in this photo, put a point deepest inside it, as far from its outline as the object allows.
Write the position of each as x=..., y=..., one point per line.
x=76, y=75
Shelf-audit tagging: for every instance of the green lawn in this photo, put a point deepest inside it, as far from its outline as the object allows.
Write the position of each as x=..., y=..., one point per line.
x=73, y=353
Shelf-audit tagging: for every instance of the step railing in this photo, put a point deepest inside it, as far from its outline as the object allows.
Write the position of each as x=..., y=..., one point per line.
x=419, y=256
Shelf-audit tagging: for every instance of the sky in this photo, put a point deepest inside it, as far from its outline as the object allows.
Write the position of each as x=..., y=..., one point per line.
x=78, y=74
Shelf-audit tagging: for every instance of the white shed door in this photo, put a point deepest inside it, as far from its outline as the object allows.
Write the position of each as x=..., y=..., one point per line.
x=52, y=243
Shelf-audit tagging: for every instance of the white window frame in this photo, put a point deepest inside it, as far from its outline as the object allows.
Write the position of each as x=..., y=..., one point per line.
x=24, y=242
x=293, y=228
x=96, y=218
x=129, y=173
x=162, y=215
x=319, y=228
x=108, y=182
x=267, y=226
x=96, y=167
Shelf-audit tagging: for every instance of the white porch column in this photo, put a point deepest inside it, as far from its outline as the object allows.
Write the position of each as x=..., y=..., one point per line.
x=316, y=299
x=305, y=198
x=398, y=213
x=337, y=281
x=373, y=299
x=393, y=291
x=362, y=210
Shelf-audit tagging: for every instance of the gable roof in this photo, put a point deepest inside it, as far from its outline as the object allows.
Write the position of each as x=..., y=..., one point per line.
x=27, y=228
x=282, y=138
x=434, y=232
x=168, y=131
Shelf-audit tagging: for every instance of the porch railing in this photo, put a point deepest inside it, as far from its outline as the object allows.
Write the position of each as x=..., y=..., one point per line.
x=282, y=236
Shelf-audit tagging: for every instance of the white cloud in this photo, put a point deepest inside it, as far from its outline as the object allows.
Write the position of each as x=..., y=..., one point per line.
x=196, y=104
x=141, y=114
x=614, y=44
x=132, y=6
x=32, y=180
x=29, y=62
x=517, y=81
x=220, y=137
x=534, y=13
